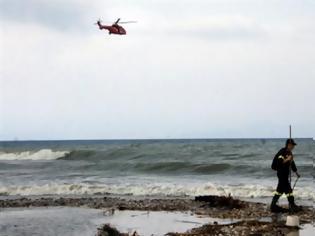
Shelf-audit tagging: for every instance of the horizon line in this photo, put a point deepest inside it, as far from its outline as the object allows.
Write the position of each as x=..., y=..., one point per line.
x=144, y=139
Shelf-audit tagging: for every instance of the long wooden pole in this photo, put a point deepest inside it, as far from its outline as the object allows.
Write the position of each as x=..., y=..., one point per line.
x=290, y=131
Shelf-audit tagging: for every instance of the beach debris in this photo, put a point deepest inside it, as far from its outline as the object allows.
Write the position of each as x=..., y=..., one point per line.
x=221, y=201
x=251, y=227
x=135, y=234
x=292, y=221
x=109, y=212
x=108, y=230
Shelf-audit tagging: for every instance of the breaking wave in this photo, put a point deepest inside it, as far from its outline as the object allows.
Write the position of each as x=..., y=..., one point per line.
x=158, y=189
x=43, y=154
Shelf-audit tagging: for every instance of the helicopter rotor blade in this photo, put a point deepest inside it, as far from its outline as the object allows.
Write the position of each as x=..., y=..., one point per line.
x=99, y=20
x=127, y=22
x=117, y=21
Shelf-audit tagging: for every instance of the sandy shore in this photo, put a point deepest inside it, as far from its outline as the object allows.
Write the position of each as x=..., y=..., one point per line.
x=245, y=218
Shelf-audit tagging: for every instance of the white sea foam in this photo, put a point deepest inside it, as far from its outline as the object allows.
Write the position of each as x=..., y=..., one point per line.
x=165, y=189
x=43, y=154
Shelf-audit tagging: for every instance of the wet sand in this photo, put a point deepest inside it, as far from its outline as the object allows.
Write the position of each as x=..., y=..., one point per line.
x=242, y=217
x=50, y=221
x=79, y=221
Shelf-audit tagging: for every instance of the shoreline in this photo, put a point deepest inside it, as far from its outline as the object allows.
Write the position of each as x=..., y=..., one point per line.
x=252, y=216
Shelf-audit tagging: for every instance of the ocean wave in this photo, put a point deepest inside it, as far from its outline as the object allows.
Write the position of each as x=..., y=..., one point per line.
x=157, y=189
x=172, y=167
x=43, y=154
x=116, y=153
x=81, y=155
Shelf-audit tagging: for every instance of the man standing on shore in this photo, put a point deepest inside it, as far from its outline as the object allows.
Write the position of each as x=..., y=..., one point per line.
x=283, y=163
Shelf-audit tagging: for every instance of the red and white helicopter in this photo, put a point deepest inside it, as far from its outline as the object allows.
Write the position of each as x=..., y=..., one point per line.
x=115, y=28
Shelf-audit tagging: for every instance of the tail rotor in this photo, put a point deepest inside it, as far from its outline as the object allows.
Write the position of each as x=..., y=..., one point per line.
x=98, y=22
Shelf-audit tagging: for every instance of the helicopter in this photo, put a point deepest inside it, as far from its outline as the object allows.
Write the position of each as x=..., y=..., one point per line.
x=115, y=28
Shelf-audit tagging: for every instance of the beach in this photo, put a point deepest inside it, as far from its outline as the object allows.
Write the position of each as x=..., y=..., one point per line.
x=150, y=187
x=145, y=216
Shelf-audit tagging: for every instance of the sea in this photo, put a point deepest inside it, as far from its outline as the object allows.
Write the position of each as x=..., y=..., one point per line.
x=152, y=168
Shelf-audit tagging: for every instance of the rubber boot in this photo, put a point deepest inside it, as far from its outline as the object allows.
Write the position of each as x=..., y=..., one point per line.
x=292, y=206
x=274, y=207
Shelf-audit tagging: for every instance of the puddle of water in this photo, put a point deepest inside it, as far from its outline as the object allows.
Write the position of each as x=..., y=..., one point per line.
x=70, y=221
x=307, y=230
x=49, y=221
x=157, y=223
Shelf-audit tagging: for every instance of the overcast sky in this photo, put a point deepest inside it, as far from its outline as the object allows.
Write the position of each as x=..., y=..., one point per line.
x=187, y=69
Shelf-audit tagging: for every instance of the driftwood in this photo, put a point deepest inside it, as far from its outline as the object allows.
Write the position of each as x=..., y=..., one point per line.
x=108, y=230
x=221, y=201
